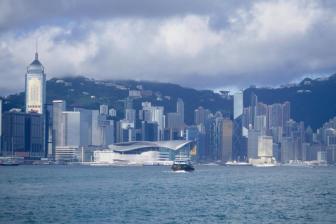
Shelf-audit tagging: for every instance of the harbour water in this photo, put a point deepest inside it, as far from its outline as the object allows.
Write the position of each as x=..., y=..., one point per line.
x=211, y=194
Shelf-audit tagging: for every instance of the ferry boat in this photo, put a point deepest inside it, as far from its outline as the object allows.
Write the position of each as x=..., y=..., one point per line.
x=182, y=165
x=9, y=162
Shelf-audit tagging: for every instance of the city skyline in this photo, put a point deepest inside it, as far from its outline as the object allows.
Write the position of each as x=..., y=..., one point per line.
x=258, y=134
x=156, y=111
x=204, y=44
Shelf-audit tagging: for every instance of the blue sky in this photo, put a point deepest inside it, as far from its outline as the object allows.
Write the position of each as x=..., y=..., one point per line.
x=202, y=44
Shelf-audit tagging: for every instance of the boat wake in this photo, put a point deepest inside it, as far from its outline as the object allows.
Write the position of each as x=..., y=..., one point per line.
x=180, y=171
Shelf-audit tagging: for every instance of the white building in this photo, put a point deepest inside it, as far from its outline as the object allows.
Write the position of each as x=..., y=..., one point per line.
x=35, y=87
x=144, y=153
x=66, y=153
x=265, y=146
x=112, y=112
x=151, y=113
x=103, y=109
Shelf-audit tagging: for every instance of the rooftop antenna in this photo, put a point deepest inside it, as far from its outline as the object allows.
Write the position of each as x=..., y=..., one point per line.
x=36, y=49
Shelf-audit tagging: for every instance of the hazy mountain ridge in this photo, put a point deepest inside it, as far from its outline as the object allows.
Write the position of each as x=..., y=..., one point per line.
x=312, y=100
x=90, y=93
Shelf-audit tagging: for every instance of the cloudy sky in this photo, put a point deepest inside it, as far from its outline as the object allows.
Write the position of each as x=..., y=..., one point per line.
x=204, y=44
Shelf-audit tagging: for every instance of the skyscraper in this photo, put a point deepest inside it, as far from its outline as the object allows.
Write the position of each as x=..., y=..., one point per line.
x=201, y=115
x=35, y=87
x=59, y=106
x=254, y=102
x=130, y=115
x=252, y=144
x=239, y=142
x=71, y=127
x=180, y=109
x=23, y=135
x=237, y=104
x=227, y=132
x=265, y=146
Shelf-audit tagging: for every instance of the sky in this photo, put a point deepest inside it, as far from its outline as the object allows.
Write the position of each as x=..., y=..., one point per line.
x=208, y=44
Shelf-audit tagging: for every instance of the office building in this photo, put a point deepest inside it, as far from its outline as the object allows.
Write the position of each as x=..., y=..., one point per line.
x=23, y=135
x=59, y=106
x=149, y=131
x=130, y=115
x=252, y=144
x=265, y=146
x=112, y=112
x=180, y=109
x=151, y=113
x=226, y=141
x=201, y=115
x=238, y=104
x=35, y=88
x=174, y=121
x=260, y=124
x=239, y=141
x=66, y=154
x=71, y=126
x=103, y=109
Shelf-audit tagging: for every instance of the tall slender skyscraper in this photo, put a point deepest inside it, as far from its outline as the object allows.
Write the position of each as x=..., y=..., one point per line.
x=35, y=87
x=59, y=106
x=180, y=109
x=238, y=141
x=227, y=133
x=237, y=104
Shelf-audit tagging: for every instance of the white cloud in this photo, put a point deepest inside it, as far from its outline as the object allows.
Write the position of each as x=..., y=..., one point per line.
x=265, y=43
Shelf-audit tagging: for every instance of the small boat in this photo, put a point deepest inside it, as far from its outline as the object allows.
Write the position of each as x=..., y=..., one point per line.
x=9, y=162
x=182, y=165
x=235, y=163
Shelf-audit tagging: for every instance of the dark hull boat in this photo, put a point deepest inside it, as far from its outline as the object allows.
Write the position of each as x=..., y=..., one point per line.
x=182, y=166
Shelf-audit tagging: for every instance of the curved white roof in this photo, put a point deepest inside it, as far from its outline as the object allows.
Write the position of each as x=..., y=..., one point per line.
x=130, y=146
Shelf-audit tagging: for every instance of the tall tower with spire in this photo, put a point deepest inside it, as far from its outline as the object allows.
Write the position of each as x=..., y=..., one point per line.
x=35, y=87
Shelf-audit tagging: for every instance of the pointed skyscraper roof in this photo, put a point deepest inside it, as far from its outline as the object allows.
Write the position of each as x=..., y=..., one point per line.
x=36, y=65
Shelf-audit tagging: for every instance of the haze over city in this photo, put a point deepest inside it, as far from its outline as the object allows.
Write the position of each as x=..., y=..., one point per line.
x=203, y=44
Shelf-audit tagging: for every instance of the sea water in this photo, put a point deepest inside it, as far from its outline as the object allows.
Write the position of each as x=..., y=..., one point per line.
x=210, y=194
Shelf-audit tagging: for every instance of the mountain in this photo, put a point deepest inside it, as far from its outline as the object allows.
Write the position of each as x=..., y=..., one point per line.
x=312, y=100
x=90, y=93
